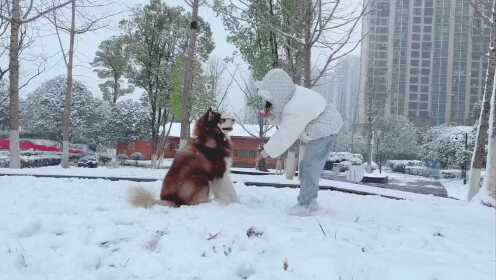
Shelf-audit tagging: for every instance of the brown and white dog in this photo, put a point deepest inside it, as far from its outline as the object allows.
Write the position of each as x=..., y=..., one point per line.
x=200, y=168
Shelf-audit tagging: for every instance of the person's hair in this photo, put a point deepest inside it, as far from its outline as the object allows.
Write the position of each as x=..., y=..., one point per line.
x=268, y=106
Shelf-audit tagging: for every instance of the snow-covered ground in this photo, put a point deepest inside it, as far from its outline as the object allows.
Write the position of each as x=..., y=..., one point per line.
x=456, y=188
x=85, y=229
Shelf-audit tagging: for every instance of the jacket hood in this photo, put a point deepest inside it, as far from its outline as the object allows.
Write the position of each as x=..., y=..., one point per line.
x=277, y=88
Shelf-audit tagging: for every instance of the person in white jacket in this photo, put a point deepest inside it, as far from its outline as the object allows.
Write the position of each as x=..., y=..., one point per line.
x=300, y=113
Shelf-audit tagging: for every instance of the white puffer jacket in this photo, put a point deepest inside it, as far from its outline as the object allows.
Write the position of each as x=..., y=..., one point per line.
x=300, y=113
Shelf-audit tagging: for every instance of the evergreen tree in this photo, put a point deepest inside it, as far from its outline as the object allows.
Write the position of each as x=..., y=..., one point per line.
x=44, y=110
x=111, y=63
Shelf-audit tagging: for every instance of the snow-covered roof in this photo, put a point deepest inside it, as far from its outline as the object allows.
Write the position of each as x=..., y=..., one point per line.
x=238, y=130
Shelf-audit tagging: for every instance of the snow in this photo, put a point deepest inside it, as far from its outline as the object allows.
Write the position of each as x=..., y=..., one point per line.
x=376, y=174
x=85, y=229
x=455, y=188
x=346, y=156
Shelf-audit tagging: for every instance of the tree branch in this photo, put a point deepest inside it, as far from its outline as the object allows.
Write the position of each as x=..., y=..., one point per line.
x=39, y=71
x=43, y=13
x=29, y=9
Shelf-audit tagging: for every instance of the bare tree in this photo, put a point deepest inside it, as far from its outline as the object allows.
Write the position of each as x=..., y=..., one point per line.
x=294, y=29
x=255, y=105
x=217, y=71
x=488, y=195
x=301, y=27
x=489, y=182
x=482, y=8
x=188, y=73
x=88, y=24
x=4, y=46
x=18, y=18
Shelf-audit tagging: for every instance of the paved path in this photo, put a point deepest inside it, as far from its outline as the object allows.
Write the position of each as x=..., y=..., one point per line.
x=248, y=183
x=415, y=184
x=419, y=185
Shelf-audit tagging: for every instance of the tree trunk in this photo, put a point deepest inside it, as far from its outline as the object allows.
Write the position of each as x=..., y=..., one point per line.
x=188, y=76
x=307, y=49
x=479, y=150
x=489, y=178
x=164, y=144
x=290, y=164
x=273, y=40
x=68, y=94
x=116, y=90
x=15, y=25
x=302, y=59
x=261, y=163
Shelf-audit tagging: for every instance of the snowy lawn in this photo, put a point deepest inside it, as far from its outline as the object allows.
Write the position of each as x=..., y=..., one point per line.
x=85, y=229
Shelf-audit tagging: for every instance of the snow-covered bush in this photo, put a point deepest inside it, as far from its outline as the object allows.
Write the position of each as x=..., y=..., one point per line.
x=447, y=144
x=137, y=156
x=39, y=159
x=397, y=138
x=75, y=157
x=343, y=161
x=355, y=159
x=373, y=166
x=45, y=106
x=400, y=165
x=129, y=121
x=122, y=158
x=104, y=159
x=4, y=159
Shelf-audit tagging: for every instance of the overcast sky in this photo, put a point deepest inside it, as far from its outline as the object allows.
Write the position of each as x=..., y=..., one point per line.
x=87, y=44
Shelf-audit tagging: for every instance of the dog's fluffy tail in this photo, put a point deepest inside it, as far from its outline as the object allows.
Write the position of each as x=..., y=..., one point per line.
x=139, y=197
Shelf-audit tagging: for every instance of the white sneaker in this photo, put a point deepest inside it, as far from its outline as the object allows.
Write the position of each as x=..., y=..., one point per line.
x=303, y=210
x=313, y=206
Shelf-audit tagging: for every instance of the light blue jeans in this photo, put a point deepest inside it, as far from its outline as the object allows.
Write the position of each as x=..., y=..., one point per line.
x=315, y=155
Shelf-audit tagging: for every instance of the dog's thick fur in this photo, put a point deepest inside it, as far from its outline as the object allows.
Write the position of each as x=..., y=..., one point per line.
x=203, y=165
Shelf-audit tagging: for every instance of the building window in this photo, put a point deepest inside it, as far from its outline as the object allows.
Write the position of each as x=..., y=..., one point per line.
x=245, y=153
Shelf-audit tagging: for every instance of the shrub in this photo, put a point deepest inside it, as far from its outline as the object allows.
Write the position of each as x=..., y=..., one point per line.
x=137, y=156
x=104, y=159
